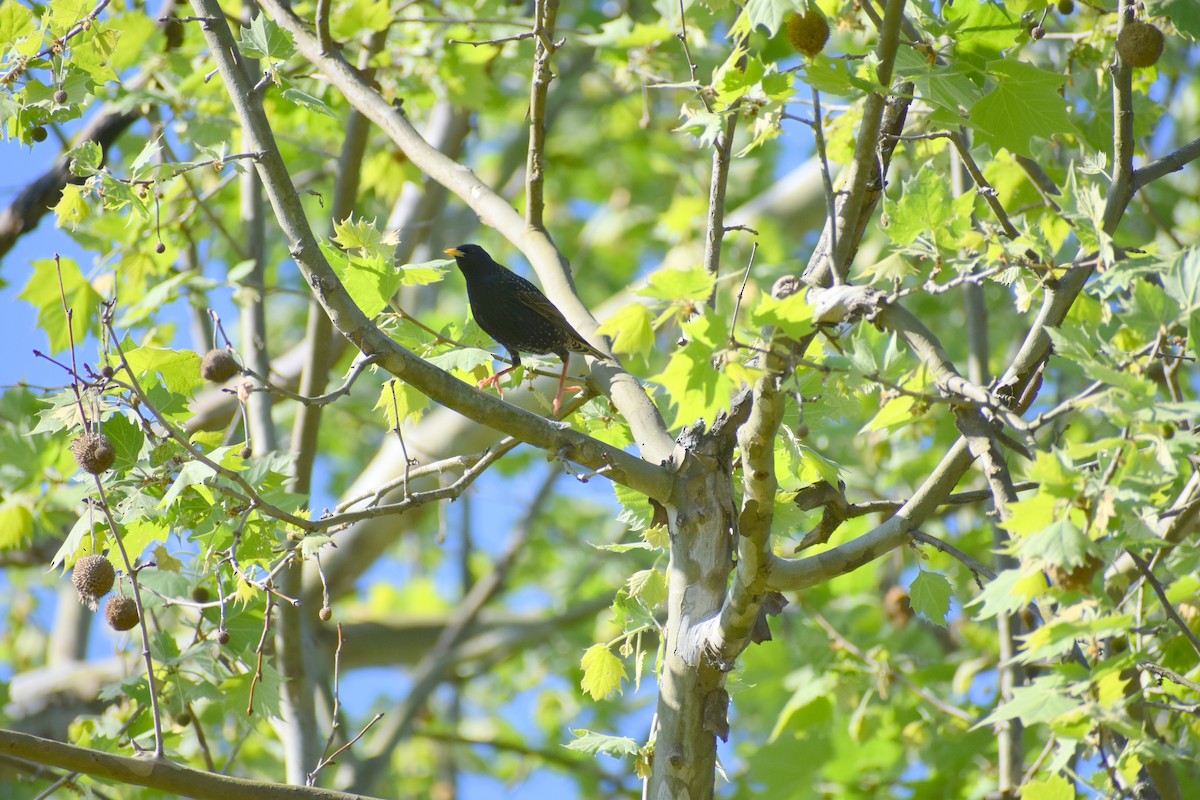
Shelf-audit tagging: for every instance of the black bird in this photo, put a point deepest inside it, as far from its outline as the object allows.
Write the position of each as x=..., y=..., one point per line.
x=516, y=314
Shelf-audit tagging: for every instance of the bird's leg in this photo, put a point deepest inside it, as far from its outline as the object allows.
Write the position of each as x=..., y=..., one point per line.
x=495, y=379
x=562, y=387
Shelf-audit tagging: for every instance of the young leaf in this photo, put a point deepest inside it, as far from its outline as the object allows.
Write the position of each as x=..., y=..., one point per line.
x=595, y=743
x=602, y=672
x=930, y=595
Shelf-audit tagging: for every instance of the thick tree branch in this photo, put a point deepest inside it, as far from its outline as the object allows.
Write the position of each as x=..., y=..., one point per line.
x=862, y=182
x=796, y=574
x=160, y=774
x=1172, y=162
x=756, y=440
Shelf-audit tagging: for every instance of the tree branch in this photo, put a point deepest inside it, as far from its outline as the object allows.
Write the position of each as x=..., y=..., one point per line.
x=545, y=14
x=158, y=774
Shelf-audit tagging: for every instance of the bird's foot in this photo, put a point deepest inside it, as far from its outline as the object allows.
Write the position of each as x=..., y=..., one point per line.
x=493, y=381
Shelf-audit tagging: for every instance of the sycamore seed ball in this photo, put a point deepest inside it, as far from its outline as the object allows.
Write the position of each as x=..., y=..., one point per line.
x=1140, y=44
x=93, y=578
x=1066, y=6
x=121, y=613
x=809, y=33
x=93, y=452
x=218, y=366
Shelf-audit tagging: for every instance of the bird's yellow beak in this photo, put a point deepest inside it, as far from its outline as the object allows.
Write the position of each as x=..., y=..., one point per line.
x=450, y=251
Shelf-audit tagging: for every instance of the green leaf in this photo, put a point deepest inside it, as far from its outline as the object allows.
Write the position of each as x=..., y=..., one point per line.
x=1044, y=701
x=42, y=292
x=1030, y=515
x=895, y=413
x=1056, y=787
x=1024, y=104
x=792, y=315
x=1059, y=543
x=127, y=439
x=602, y=672
x=71, y=209
x=191, y=474
x=305, y=100
x=1184, y=15
x=649, y=586
x=462, y=359
x=767, y=13
x=358, y=16
x=630, y=330
x=16, y=523
x=1012, y=590
x=179, y=369
x=929, y=594
x=425, y=273
x=16, y=22
x=370, y=282
x=598, y=743
x=810, y=687
x=981, y=28
x=258, y=690
x=927, y=209
x=85, y=158
x=265, y=39
x=1060, y=636
x=400, y=401
x=705, y=125
x=696, y=388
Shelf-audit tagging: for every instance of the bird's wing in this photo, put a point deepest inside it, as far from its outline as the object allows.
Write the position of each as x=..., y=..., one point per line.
x=531, y=296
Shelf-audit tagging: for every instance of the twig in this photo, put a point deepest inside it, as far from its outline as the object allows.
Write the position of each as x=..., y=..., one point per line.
x=408, y=462
x=375, y=495
x=818, y=126
x=1173, y=677
x=262, y=644
x=918, y=690
x=742, y=291
x=1168, y=607
x=356, y=370
x=952, y=551
x=516, y=38
x=682, y=36
x=420, y=498
x=337, y=704
x=143, y=627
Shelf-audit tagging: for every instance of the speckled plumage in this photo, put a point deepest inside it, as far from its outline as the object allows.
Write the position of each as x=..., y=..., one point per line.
x=516, y=314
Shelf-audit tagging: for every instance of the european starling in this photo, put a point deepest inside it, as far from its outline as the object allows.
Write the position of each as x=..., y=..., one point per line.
x=516, y=314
